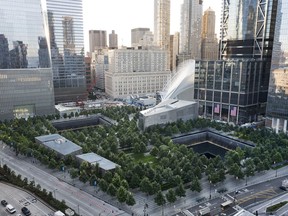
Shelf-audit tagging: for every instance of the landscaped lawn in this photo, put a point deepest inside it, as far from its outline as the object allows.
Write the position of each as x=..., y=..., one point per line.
x=140, y=157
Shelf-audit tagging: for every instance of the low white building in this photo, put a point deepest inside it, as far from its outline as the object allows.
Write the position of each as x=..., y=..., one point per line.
x=136, y=72
x=177, y=100
x=63, y=109
x=93, y=159
x=59, y=144
x=167, y=111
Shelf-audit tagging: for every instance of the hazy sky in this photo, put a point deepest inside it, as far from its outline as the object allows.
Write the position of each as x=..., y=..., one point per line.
x=123, y=15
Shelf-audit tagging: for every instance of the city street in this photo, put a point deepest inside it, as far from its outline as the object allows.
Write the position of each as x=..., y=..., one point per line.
x=83, y=203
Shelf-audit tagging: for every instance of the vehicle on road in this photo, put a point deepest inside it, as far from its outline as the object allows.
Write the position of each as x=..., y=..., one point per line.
x=4, y=203
x=226, y=204
x=26, y=211
x=10, y=209
x=284, y=185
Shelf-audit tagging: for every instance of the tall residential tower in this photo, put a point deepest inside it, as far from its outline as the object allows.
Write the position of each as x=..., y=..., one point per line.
x=209, y=45
x=113, y=40
x=97, y=40
x=162, y=23
x=190, y=34
x=65, y=19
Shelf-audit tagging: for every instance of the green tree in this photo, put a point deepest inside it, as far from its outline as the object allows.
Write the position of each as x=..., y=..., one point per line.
x=130, y=199
x=116, y=180
x=135, y=181
x=103, y=185
x=74, y=173
x=52, y=163
x=154, y=151
x=171, y=196
x=145, y=185
x=180, y=190
x=159, y=198
x=195, y=185
x=112, y=190
x=121, y=194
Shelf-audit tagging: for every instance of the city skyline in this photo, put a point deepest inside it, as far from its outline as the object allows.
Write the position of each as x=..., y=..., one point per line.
x=98, y=16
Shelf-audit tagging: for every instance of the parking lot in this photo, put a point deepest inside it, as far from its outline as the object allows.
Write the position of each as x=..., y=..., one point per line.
x=18, y=199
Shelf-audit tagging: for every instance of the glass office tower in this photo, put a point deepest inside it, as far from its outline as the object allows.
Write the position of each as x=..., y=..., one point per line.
x=277, y=104
x=228, y=90
x=26, y=87
x=65, y=18
x=247, y=34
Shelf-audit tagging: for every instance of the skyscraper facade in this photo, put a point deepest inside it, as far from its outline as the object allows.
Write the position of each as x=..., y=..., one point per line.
x=209, y=45
x=247, y=33
x=277, y=103
x=227, y=90
x=190, y=33
x=162, y=23
x=174, y=51
x=25, y=66
x=97, y=40
x=137, y=35
x=247, y=29
x=65, y=18
x=113, y=40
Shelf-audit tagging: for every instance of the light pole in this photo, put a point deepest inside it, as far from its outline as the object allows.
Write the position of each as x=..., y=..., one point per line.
x=275, y=169
x=54, y=191
x=210, y=189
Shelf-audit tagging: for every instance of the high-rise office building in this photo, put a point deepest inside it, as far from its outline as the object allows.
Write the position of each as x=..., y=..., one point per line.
x=100, y=66
x=97, y=40
x=26, y=84
x=225, y=90
x=190, y=34
x=209, y=45
x=247, y=29
x=162, y=23
x=247, y=33
x=137, y=35
x=174, y=51
x=65, y=18
x=277, y=103
x=113, y=40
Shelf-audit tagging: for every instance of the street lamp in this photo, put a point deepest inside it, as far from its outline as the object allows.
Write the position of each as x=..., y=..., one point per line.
x=275, y=169
x=210, y=190
x=54, y=191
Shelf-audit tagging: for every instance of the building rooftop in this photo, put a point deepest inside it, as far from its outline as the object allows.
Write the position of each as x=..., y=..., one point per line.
x=243, y=212
x=166, y=105
x=62, y=108
x=58, y=143
x=93, y=158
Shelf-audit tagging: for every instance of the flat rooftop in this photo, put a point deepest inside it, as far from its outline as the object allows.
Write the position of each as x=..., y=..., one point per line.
x=243, y=212
x=167, y=105
x=58, y=143
x=93, y=158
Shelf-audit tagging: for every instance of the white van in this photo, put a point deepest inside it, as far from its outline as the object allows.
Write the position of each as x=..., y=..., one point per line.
x=10, y=209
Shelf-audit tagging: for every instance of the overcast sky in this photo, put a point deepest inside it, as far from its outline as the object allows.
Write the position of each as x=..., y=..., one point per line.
x=123, y=15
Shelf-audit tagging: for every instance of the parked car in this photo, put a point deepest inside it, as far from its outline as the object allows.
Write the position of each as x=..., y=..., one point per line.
x=10, y=209
x=4, y=203
x=26, y=211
